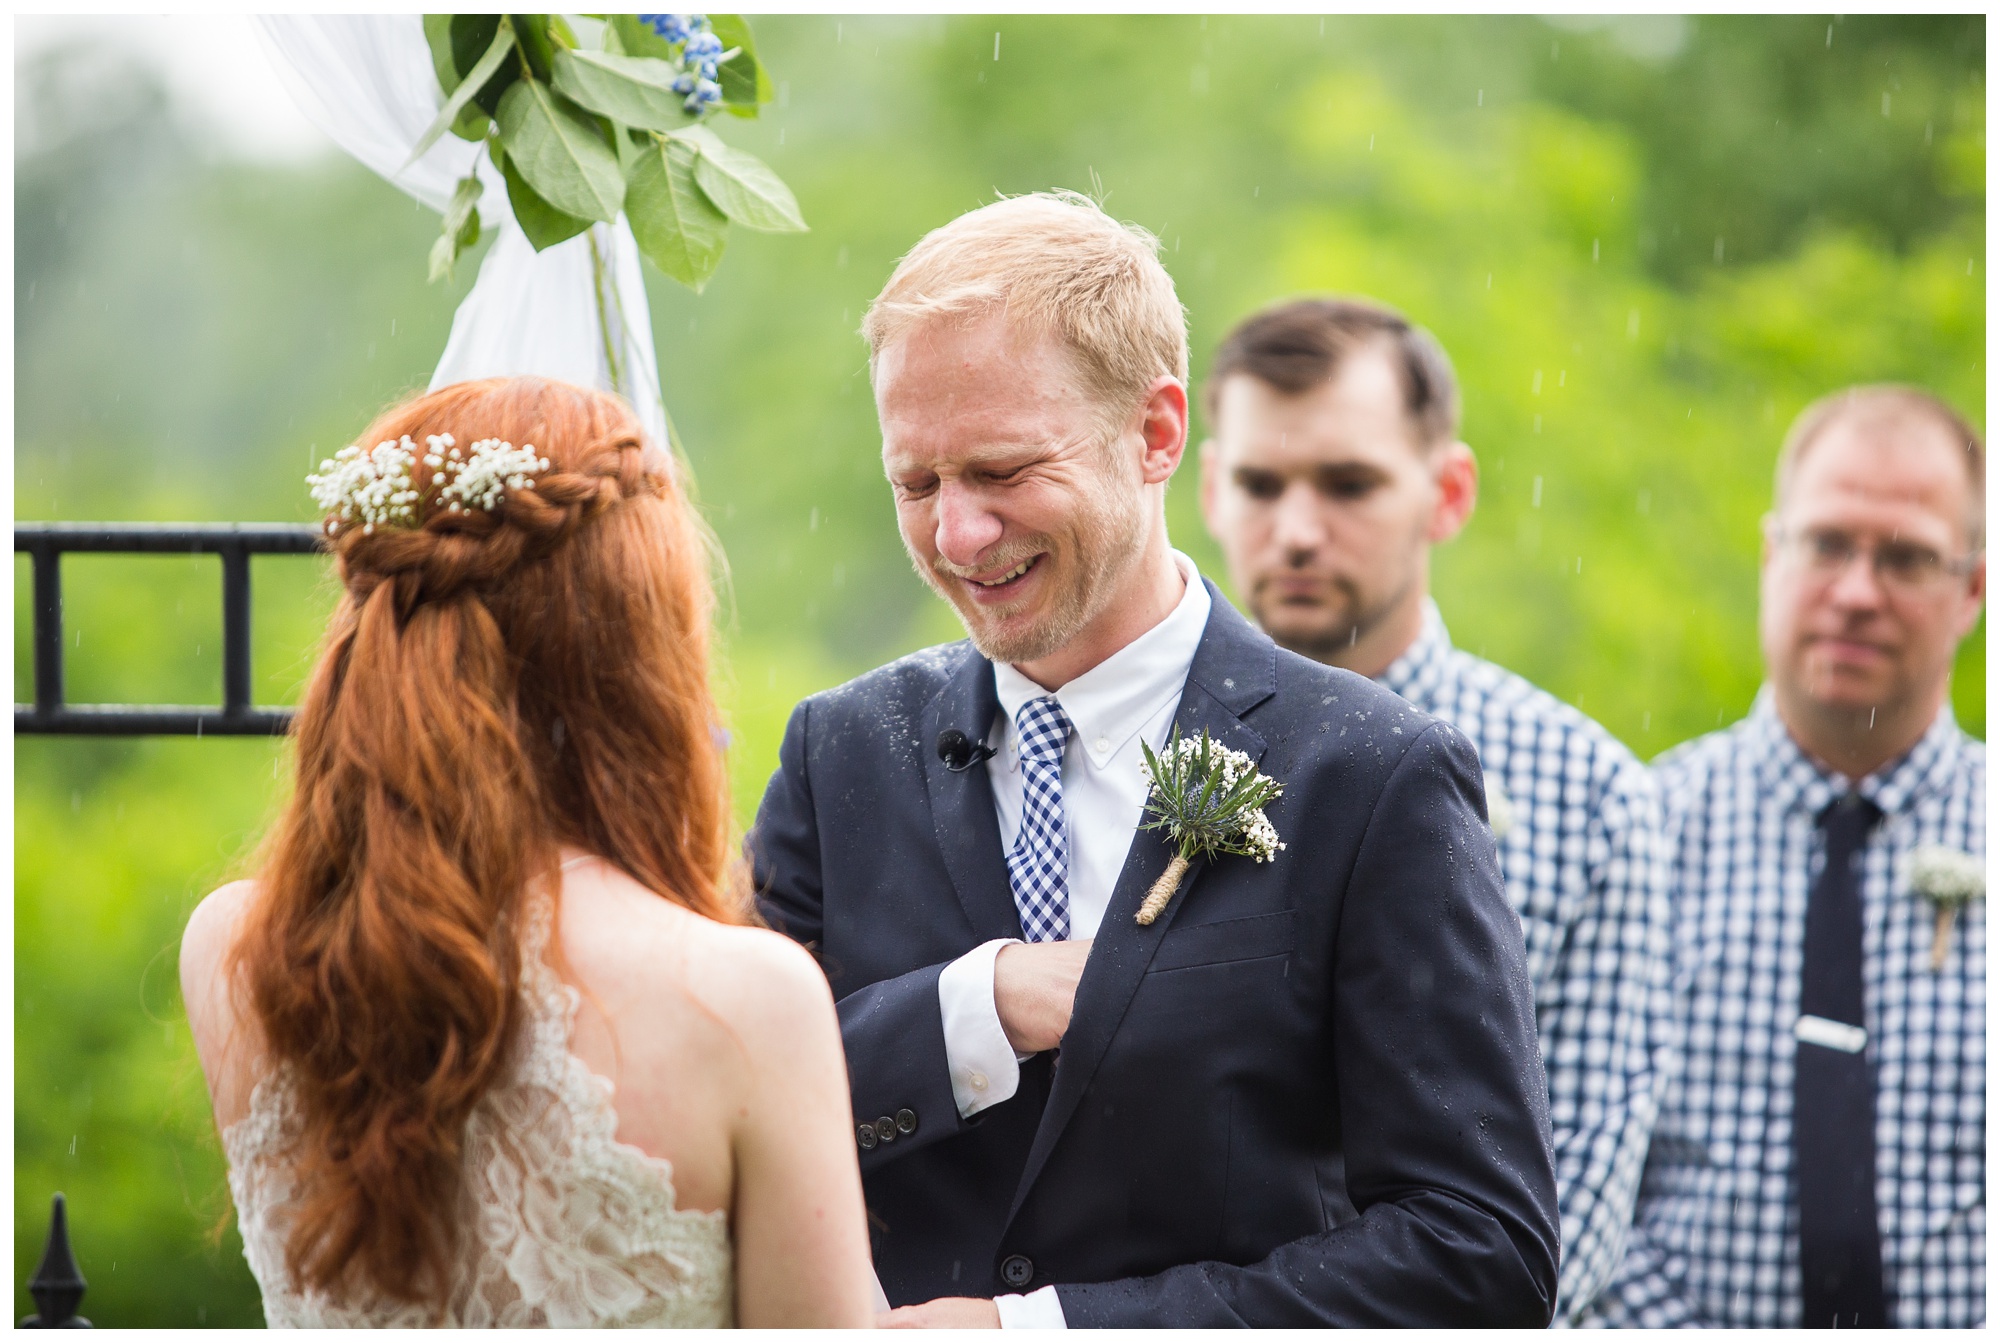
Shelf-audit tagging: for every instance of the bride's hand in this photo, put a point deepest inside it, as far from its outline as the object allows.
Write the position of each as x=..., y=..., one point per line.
x=947, y=1312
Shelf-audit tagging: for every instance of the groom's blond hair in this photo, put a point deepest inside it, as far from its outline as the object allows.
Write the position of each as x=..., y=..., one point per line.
x=1053, y=262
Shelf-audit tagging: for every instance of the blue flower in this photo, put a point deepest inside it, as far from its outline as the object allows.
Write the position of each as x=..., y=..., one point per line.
x=676, y=27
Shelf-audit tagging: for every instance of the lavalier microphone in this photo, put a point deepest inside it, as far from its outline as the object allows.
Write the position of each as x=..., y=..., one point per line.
x=958, y=751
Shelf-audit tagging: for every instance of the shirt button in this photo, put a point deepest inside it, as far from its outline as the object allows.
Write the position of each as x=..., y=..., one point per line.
x=1101, y=745
x=906, y=1122
x=978, y=1081
x=1017, y=1270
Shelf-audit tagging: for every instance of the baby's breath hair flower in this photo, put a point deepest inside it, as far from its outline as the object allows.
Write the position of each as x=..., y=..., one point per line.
x=1949, y=880
x=482, y=478
x=377, y=487
x=373, y=486
x=1209, y=799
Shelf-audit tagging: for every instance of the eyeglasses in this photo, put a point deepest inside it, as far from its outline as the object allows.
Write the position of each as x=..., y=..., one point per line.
x=1907, y=566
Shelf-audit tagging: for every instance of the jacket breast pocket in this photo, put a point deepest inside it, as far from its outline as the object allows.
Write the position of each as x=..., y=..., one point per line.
x=1254, y=938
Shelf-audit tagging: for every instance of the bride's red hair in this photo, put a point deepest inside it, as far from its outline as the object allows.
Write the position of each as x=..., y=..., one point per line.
x=493, y=685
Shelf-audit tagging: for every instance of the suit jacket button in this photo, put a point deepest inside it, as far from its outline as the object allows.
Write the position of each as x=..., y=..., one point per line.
x=885, y=1129
x=1017, y=1270
x=865, y=1135
x=906, y=1121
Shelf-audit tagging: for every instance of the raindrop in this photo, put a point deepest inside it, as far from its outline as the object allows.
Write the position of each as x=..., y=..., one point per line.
x=1538, y=382
x=1645, y=502
x=1371, y=144
x=812, y=522
x=1646, y=721
x=1489, y=279
x=996, y=44
x=1322, y=33
x=1885, y=102
x=1579, y=564
x=1538, y=492
x=837, y=33
x=1538, y=424
x=1829, y=37
x=1596, y=249
x=840, y=259
x=1718, y=249
x=1482, y=97
x=1632, y=325
x=1562, y=376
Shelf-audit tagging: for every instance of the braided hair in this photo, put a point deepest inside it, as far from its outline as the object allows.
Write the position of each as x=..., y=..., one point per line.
x=494, y=684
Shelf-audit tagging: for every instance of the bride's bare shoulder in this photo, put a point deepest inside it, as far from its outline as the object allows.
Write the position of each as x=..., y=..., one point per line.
x=208, y=939
x=620, y=934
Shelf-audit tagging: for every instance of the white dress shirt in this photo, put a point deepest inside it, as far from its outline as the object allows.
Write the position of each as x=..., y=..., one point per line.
x=1129, y=697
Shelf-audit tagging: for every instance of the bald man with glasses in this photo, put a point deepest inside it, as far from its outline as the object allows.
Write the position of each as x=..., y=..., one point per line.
x=1821, y=1158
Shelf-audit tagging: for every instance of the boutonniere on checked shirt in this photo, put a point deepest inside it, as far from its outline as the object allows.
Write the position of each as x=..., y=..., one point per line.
x=1949, y=880
x=1209, y=799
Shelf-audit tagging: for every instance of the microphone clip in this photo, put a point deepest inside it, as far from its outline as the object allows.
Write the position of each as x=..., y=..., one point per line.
x=959, y=752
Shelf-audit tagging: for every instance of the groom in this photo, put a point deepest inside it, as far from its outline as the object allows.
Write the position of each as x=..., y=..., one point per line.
x=1309, y=1092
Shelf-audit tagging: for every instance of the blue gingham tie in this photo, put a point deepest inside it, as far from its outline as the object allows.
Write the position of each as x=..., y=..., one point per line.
x=1038, y=867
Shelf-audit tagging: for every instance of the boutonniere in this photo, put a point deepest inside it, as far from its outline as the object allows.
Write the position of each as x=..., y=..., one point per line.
x=1948, y=879
x=1209, y=799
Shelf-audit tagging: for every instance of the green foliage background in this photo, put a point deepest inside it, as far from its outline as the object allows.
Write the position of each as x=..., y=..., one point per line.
x=1646, y=243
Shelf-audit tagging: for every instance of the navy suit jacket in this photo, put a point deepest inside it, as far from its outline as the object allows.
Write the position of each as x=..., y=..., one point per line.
x=1308, y=1094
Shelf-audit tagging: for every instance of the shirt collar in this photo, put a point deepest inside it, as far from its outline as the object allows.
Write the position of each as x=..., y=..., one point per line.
x=1110, y=703
x=1417, y=673
x=1791, y=779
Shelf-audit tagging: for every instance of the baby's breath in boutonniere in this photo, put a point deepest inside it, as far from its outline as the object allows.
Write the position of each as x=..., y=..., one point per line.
x=1209, y=799
x=1949, y=880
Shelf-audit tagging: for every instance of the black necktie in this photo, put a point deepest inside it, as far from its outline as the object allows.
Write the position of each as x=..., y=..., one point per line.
x=1833, y=1093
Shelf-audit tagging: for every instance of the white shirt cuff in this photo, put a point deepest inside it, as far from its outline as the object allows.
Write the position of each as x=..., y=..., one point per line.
x=984, y=1068
x=1039, y=1309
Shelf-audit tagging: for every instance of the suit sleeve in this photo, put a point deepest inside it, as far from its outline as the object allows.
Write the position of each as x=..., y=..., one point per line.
x=1443, y=1107
x=892, y=1030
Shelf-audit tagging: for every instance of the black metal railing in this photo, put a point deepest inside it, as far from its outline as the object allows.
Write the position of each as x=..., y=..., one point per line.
x=58, y=1285
x=235, y=542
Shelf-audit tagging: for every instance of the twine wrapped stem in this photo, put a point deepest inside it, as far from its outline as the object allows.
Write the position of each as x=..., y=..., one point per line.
x=1163, y=889
x=1941, y=934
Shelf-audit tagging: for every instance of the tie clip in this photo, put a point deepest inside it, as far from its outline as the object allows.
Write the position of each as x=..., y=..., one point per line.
x=1831, y=1034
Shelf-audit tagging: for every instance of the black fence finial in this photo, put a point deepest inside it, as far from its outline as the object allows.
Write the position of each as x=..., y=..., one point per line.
x=58, y=1285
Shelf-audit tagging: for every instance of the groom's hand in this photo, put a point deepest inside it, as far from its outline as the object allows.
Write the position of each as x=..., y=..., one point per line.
x=947, y=1312
x=1034, y=989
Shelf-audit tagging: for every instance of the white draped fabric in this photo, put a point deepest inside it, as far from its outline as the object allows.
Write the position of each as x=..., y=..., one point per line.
x=367, y=81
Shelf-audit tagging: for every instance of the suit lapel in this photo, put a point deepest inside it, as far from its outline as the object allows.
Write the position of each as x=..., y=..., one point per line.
x=962, y=810
x=1239, y=662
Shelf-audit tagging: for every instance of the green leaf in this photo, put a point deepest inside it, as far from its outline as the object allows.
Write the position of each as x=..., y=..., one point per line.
x=676, y=224
x=745, y=84
x=635, y=90
x=532, y=31
x=461, y=227
x=503, y=41
x=471, y=35
x=560, y=152
x=437, y=35
x=743, y=185
x=543, y=223
x=636, y=39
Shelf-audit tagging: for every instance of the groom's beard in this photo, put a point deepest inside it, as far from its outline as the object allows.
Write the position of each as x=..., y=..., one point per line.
x=1086, y=560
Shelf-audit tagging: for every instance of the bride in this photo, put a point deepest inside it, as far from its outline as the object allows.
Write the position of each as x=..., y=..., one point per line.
x=491, y=1036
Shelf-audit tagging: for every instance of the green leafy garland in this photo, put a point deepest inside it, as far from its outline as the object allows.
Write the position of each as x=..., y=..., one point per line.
x=580, y=135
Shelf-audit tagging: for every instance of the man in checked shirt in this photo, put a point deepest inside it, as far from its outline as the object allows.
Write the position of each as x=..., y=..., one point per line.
x=1334, y=467
x=1821, y=1157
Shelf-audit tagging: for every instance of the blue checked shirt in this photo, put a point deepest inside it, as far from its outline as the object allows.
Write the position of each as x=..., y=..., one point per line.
x=1578, y=823
x=1716, y=1237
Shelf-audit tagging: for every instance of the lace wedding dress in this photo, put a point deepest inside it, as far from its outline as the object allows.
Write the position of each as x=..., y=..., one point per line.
x=559, y=1224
